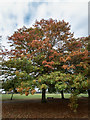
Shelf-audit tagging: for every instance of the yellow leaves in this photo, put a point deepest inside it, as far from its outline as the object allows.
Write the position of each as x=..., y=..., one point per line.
x=84, y=84
x=39, y=81
x=72, y=66
x=22, y=56
x=84, y=66
x=34, y=81
x=17, y=73
x=10, y=89
x=21, y=74
x=43, y=86
x=81, y=63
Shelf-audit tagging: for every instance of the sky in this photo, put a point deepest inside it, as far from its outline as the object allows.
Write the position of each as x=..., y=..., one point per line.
x=15, y=14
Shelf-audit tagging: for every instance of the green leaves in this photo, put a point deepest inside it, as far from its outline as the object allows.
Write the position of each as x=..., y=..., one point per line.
x=44, y=86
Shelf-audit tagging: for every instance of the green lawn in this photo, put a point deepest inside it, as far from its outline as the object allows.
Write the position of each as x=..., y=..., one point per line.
x=37, y=96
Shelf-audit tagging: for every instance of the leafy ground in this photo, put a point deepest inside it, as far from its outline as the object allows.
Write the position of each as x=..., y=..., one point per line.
x=33, y=108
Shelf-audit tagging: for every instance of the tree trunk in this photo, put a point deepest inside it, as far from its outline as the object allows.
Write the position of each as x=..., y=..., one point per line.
x=62, y=94
x=11, y=96
x=43, y=95
x=89, y=93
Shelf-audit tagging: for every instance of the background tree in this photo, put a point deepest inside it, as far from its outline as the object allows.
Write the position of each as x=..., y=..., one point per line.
x=18, y=75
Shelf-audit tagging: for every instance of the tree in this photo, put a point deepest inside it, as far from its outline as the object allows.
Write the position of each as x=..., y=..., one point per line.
x=18, y=75
x=51, y=46
x=40, y=41
x=88, y=48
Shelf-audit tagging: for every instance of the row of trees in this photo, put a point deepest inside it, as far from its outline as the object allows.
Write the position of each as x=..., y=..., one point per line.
x=47, y=56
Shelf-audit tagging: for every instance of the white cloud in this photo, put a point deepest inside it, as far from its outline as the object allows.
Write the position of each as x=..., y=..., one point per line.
x=13, y=12
x=11, y=18
x=74, y=13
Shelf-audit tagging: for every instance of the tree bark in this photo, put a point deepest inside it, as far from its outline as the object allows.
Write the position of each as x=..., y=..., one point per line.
x=62, y=94
x=89, y=93
x=11, y=96
x=43, y=95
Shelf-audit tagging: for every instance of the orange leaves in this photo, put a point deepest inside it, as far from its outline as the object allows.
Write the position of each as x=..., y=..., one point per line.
x=28, y=44
x=55, y=53
x=79, y=53
x=78, y=44
x=82, y=64
x=26, y=93
x=50, y=57
x=26, y=50
x=36, y=43
x=51, y=63
x=74, y=45
x=76, y=55
x=27, y=89
x=68, y=67
x=29, y=55
x=85, y=54
x=44, y=62
x=68, y=58
x=62, y=59
x=48, y=64
x=51, y=50
x=22, y=90
x=65, y=66
x=33, y=91
x=19, y=89
x=49, y=45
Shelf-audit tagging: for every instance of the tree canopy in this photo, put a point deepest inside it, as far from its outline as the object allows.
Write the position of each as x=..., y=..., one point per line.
x=48, y=55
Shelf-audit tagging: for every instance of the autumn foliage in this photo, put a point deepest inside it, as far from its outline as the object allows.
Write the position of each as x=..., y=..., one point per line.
x=49, y=46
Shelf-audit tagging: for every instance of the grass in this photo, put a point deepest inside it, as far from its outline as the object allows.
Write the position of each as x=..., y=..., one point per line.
x=37, y=96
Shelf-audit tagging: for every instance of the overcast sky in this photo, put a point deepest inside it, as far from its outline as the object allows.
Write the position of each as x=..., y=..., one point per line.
x=15, y=14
